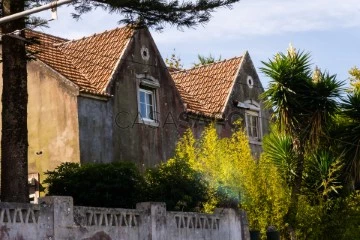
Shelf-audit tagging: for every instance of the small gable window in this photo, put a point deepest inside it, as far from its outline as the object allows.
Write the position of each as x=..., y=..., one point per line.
x=252, y=120
x=147, y=99
x=250, y=82
x=147, y=104
x=252, y=125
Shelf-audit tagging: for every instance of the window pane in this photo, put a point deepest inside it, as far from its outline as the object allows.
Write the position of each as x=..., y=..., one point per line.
x=255, y=126
x=147, y=104
x=143, y=110
x=255, y=132
x=142, y=97
x=248, y=122
x=254, y=120
x=149, y=99
x=150, y=112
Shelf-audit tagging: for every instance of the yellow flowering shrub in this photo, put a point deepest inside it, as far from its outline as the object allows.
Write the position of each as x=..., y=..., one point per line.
x=228, y=165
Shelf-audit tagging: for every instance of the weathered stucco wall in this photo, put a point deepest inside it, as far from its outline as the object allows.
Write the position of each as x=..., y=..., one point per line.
x=52, y=119
x=96, y=121
x=57, y=218
x=145, y=144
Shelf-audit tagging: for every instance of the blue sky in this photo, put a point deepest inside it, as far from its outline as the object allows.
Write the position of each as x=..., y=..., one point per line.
x=329, y=29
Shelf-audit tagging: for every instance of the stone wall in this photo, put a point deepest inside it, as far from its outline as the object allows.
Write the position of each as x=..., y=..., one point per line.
x=57, y=218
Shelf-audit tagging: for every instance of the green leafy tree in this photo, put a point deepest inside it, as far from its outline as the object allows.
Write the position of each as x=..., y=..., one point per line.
x=178, y=185
x=203, y=60
x=98, y=185
x=304, y=103
x=14, y=143
x=121, y=185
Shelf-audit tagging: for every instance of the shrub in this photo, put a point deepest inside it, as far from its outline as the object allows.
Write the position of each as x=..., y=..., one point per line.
x=235, y=178
x=178, y=185
x=100, y=185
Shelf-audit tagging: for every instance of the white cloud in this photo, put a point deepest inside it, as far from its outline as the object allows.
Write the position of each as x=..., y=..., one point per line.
x=247, y=18
x=268, y=17
x=65, y=26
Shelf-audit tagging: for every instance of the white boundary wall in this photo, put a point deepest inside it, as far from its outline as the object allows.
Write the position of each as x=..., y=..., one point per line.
x=56, y=218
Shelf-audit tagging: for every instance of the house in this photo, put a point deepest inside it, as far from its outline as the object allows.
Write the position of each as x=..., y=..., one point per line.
x=110, y=97
x=225, y=91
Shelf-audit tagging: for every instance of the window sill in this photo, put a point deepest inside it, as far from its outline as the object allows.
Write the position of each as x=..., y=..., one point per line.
x=150, y=123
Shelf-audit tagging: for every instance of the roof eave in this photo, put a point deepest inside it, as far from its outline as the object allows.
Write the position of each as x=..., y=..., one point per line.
x=118, y=63
x=94, y=95
x=233, y=82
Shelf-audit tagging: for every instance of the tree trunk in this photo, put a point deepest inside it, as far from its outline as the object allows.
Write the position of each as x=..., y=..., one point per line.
x=290, y=216
x=14, y=139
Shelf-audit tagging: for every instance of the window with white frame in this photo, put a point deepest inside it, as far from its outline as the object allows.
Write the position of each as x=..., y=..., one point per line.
x=252, y=120
x=252, y=125
x=147, y=106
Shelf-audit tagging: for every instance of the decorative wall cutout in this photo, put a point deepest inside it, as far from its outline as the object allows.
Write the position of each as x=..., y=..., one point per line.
x=118, y=219
x=199, y=222
x=19, y=215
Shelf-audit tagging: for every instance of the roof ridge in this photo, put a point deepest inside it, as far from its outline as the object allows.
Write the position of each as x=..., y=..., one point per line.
x=46, y=34
x=206, y=65
x=93, y=35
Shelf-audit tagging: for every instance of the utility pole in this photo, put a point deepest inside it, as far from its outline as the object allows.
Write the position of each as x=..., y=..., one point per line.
x=25, y=13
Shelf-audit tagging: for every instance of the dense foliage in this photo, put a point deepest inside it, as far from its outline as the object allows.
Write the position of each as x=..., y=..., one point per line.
x=178, y=185
x=122, y=185
x=98, y=185
x=235, y=177
x=314, y=147
x=304, y=103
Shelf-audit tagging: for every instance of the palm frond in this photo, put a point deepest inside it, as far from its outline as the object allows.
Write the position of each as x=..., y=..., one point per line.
x=348, y=135
x=290, y=79
x=280, y=150
x=323, y=174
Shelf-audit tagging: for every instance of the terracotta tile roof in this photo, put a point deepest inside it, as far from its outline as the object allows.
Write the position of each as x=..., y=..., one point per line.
x=88, y=62
x=205, y=89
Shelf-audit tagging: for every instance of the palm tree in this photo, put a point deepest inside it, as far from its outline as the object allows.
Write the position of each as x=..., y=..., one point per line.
x=203, y=60
x=304, y=103
x=347, y=137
